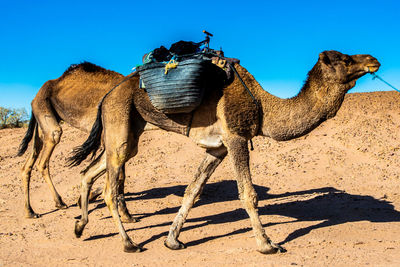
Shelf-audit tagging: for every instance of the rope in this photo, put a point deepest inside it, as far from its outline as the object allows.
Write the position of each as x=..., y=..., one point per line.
x=252, y=96
x=244, y=85
x=374, y=76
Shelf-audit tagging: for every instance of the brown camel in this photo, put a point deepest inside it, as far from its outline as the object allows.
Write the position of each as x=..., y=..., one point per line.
x=227, y=118
x=72, y=98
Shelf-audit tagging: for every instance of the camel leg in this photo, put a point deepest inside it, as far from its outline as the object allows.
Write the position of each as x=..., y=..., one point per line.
x=51, y=137
x=89, y=176
x=121, y=142
x=239, y=154
x=211, y=161
x=114, y=167
x=126, y=217
x=86, y=186
x=26, y=174
x=93, y=195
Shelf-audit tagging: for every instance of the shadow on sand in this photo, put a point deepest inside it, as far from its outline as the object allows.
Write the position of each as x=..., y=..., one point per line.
x=327, y=204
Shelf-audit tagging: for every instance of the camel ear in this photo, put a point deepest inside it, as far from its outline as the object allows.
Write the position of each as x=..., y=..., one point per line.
x=324, y=57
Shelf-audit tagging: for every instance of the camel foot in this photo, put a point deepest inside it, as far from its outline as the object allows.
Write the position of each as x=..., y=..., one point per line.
x=32, y=215
x=175, y=245
x=95, y=194
x=128, y=219
x=79, y=226
x=61, y=205
x=272, y=249
x=132, y=247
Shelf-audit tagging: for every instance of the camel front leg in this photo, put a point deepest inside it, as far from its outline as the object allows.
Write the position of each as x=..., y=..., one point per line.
x=211, y=161
x=239, y=155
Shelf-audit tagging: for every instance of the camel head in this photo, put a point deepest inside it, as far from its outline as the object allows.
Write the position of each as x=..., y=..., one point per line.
x=344, y=69
x=335, y=74
x=320, y=98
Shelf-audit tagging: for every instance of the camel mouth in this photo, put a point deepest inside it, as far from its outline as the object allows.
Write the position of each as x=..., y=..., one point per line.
x=369, y=68
x=372, y=68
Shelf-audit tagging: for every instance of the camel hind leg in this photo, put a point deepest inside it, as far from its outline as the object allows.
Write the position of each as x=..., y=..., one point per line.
x=239, y=154
x=96, y=169
x=126, y=217
x=89, y=176
x=117, y=155
x=121, y=143
x=211, y=161
x=51, y=135
x=110, y=197
x=27, y=171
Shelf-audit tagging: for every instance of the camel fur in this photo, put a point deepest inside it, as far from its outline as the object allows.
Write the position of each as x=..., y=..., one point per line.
x=72, y=98
x=227, y=118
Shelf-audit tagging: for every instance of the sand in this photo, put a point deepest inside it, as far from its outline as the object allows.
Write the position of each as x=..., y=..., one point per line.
x=331, y=198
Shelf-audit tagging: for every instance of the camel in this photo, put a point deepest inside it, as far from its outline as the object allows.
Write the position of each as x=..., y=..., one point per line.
x=72, y=98
x=227, y=119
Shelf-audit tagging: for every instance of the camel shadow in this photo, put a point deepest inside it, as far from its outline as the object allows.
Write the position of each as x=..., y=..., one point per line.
x=214, y=192
x=332, y=207
x=154, y=193
x=327, y=204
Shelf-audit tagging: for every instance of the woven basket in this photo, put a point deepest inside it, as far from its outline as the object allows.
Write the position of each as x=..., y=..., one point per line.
x=181, y=90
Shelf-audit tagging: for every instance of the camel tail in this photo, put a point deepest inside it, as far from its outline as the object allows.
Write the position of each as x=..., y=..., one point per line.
x=28, y=136
x=91, y=144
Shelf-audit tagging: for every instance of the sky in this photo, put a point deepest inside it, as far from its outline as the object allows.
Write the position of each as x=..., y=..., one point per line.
x=277, y=41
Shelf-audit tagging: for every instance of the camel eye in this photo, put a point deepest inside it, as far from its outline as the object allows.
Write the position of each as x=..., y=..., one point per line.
x=348, y=61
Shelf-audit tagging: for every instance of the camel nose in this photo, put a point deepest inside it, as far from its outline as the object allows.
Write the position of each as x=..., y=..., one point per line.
x=372, y=60
x=372, y=64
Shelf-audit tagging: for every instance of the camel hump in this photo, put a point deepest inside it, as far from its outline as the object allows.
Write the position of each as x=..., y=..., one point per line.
x=85, y=67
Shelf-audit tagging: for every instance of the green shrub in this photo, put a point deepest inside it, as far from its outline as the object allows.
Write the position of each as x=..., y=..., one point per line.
x=13, y=118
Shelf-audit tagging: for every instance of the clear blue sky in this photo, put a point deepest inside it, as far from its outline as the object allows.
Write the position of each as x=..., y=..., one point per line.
x=277, y=41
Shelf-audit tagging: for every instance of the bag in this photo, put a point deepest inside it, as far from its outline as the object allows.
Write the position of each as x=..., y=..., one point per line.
x=181, y=89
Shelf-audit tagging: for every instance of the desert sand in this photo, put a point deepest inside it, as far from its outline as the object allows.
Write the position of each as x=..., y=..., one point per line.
x=331, y=198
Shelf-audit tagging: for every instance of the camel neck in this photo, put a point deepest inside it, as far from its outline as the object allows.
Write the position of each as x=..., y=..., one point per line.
x=285, y=119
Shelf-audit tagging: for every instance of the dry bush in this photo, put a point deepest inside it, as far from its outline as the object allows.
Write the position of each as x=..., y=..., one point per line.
x=13, y=118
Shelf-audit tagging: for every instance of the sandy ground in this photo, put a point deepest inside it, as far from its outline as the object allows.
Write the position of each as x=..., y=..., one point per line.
x=331, y=198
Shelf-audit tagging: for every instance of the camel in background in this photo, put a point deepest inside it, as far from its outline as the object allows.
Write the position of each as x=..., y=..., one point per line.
x=72, y=98
x=223, y=124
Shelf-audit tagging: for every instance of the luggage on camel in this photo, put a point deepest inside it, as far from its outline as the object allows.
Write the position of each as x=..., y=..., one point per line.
x=181, y=48
x=175, y=78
